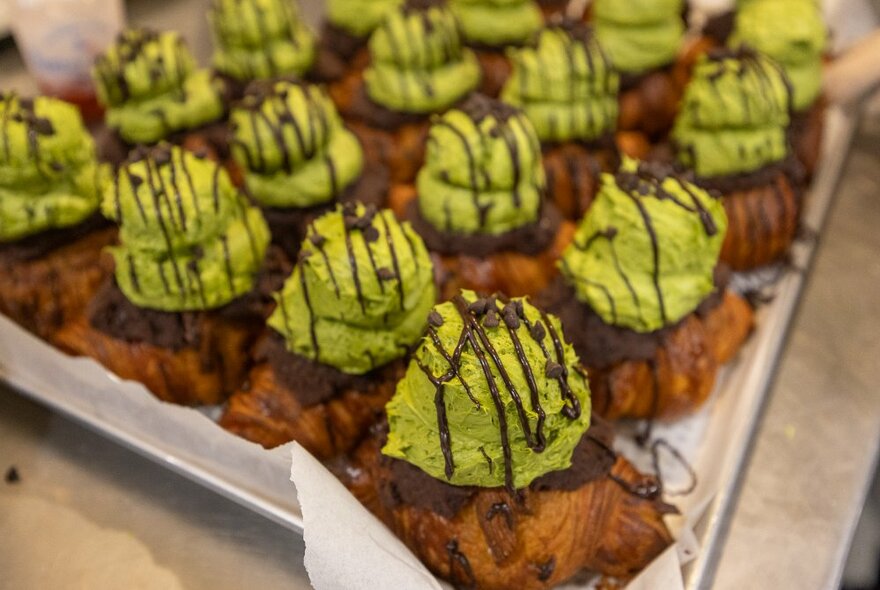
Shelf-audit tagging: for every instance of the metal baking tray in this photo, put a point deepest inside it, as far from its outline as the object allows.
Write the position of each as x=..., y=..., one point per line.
x=187, y=442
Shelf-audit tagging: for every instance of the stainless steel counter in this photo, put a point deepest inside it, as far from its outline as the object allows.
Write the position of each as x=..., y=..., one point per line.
x=89, y=514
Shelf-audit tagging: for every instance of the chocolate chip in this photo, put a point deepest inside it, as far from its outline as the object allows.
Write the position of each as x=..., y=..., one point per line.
x=520, y=311
x=478, y=307
x=135, y=180
x=371, y=234
x=554, y=370
x=56, y=166
x=510, y=317
x=161, y=155
x=43, y=126
x=435, y=319
x=538, y=331
x=491, y=319
x=385, y=273
x=201, y=153
x=317, y=239
x=12, y=475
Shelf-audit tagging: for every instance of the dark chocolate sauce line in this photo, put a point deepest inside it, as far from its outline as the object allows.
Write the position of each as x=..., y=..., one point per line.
x=461, y=306
x=513, y=150
x=442, y=421
x=412, y=247
x=352, y=261
x=165, y=286
x=320, y=246
x=132, y=273
x=178, y=198
x=389, y=240
x=215, y=189
x=277, y=133
x=7, y=105
x=573, y=410
x=372, y=258
x=454, y=362
x=590, y=283
x=189, y=182
x=655, y=249
x=193, y=268
x=457, y=558
x=649, y=489
x=540, y=440
x=475, y=328
x=676, y=454
x=305, y=289
x=252, y=240
x=117, y=200
x=258, y=142
x=502, y=508
x=227, y=259
x=395, y=51
x=488, y=460
x=472, y=166
x=160, y=219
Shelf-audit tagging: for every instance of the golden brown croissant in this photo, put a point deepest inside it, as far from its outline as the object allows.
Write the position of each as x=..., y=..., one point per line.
x=205, y=362
x=762, y=222
x=506, y=271
x=611, y=525
x=681, y=374
x=269, y=411
x=44, y=292
x=573, y=172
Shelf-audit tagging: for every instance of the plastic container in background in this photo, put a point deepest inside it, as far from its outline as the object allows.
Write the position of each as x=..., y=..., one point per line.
x=59, y=40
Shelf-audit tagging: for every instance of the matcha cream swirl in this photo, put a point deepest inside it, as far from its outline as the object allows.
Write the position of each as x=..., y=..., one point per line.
x=293, y=146
x=640, y=35
x=258, y=39
x=483, y=172
x=189, y=240
x=49, y=177
x=565, y=84
x=494, y=396
x=645, y=254
x=359, y=18
x=734, y=115
x=796, y=43
x=496, y=23
x=418, y=62
x=360, y=292
x=150, y=86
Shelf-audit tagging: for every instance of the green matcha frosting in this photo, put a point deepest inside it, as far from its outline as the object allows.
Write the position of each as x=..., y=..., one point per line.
x=793, y=33
x=359, y=17
x=565, y=84
x=483, y=172
x=496, y=23
x=293, y=146
x=645, y=254
x=49, y=177
x=734, y=114
x=257, y=39
x=493, y=396
x=640, y=35
x=189, y=239
x=360, y=292
x=150, y=86
x=418, y=62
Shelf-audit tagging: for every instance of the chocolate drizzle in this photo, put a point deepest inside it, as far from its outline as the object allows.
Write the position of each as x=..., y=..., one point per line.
x=478, y=108
x=22, y=111
x=474, y=336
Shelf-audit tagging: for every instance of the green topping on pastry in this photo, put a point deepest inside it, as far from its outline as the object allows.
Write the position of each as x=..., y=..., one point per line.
x=496, y=23
x=483, y=172
x=360, y=292
x=734, y=114
x=795, y=42
x=150, y=86
x=189, y=239
x=293, y=146
x=418, y=62
x=257, y=39
x=645, y=254
x=49, y=177
x=359, y=17
x=565, y=84
x=640, y=35
x=493, y=396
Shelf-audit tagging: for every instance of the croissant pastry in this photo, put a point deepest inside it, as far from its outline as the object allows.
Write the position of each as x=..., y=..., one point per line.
x=535, y=539
x=645, y=306
x=289, y=398
x=763, y=220
x=44, y=292
x=356, y=302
